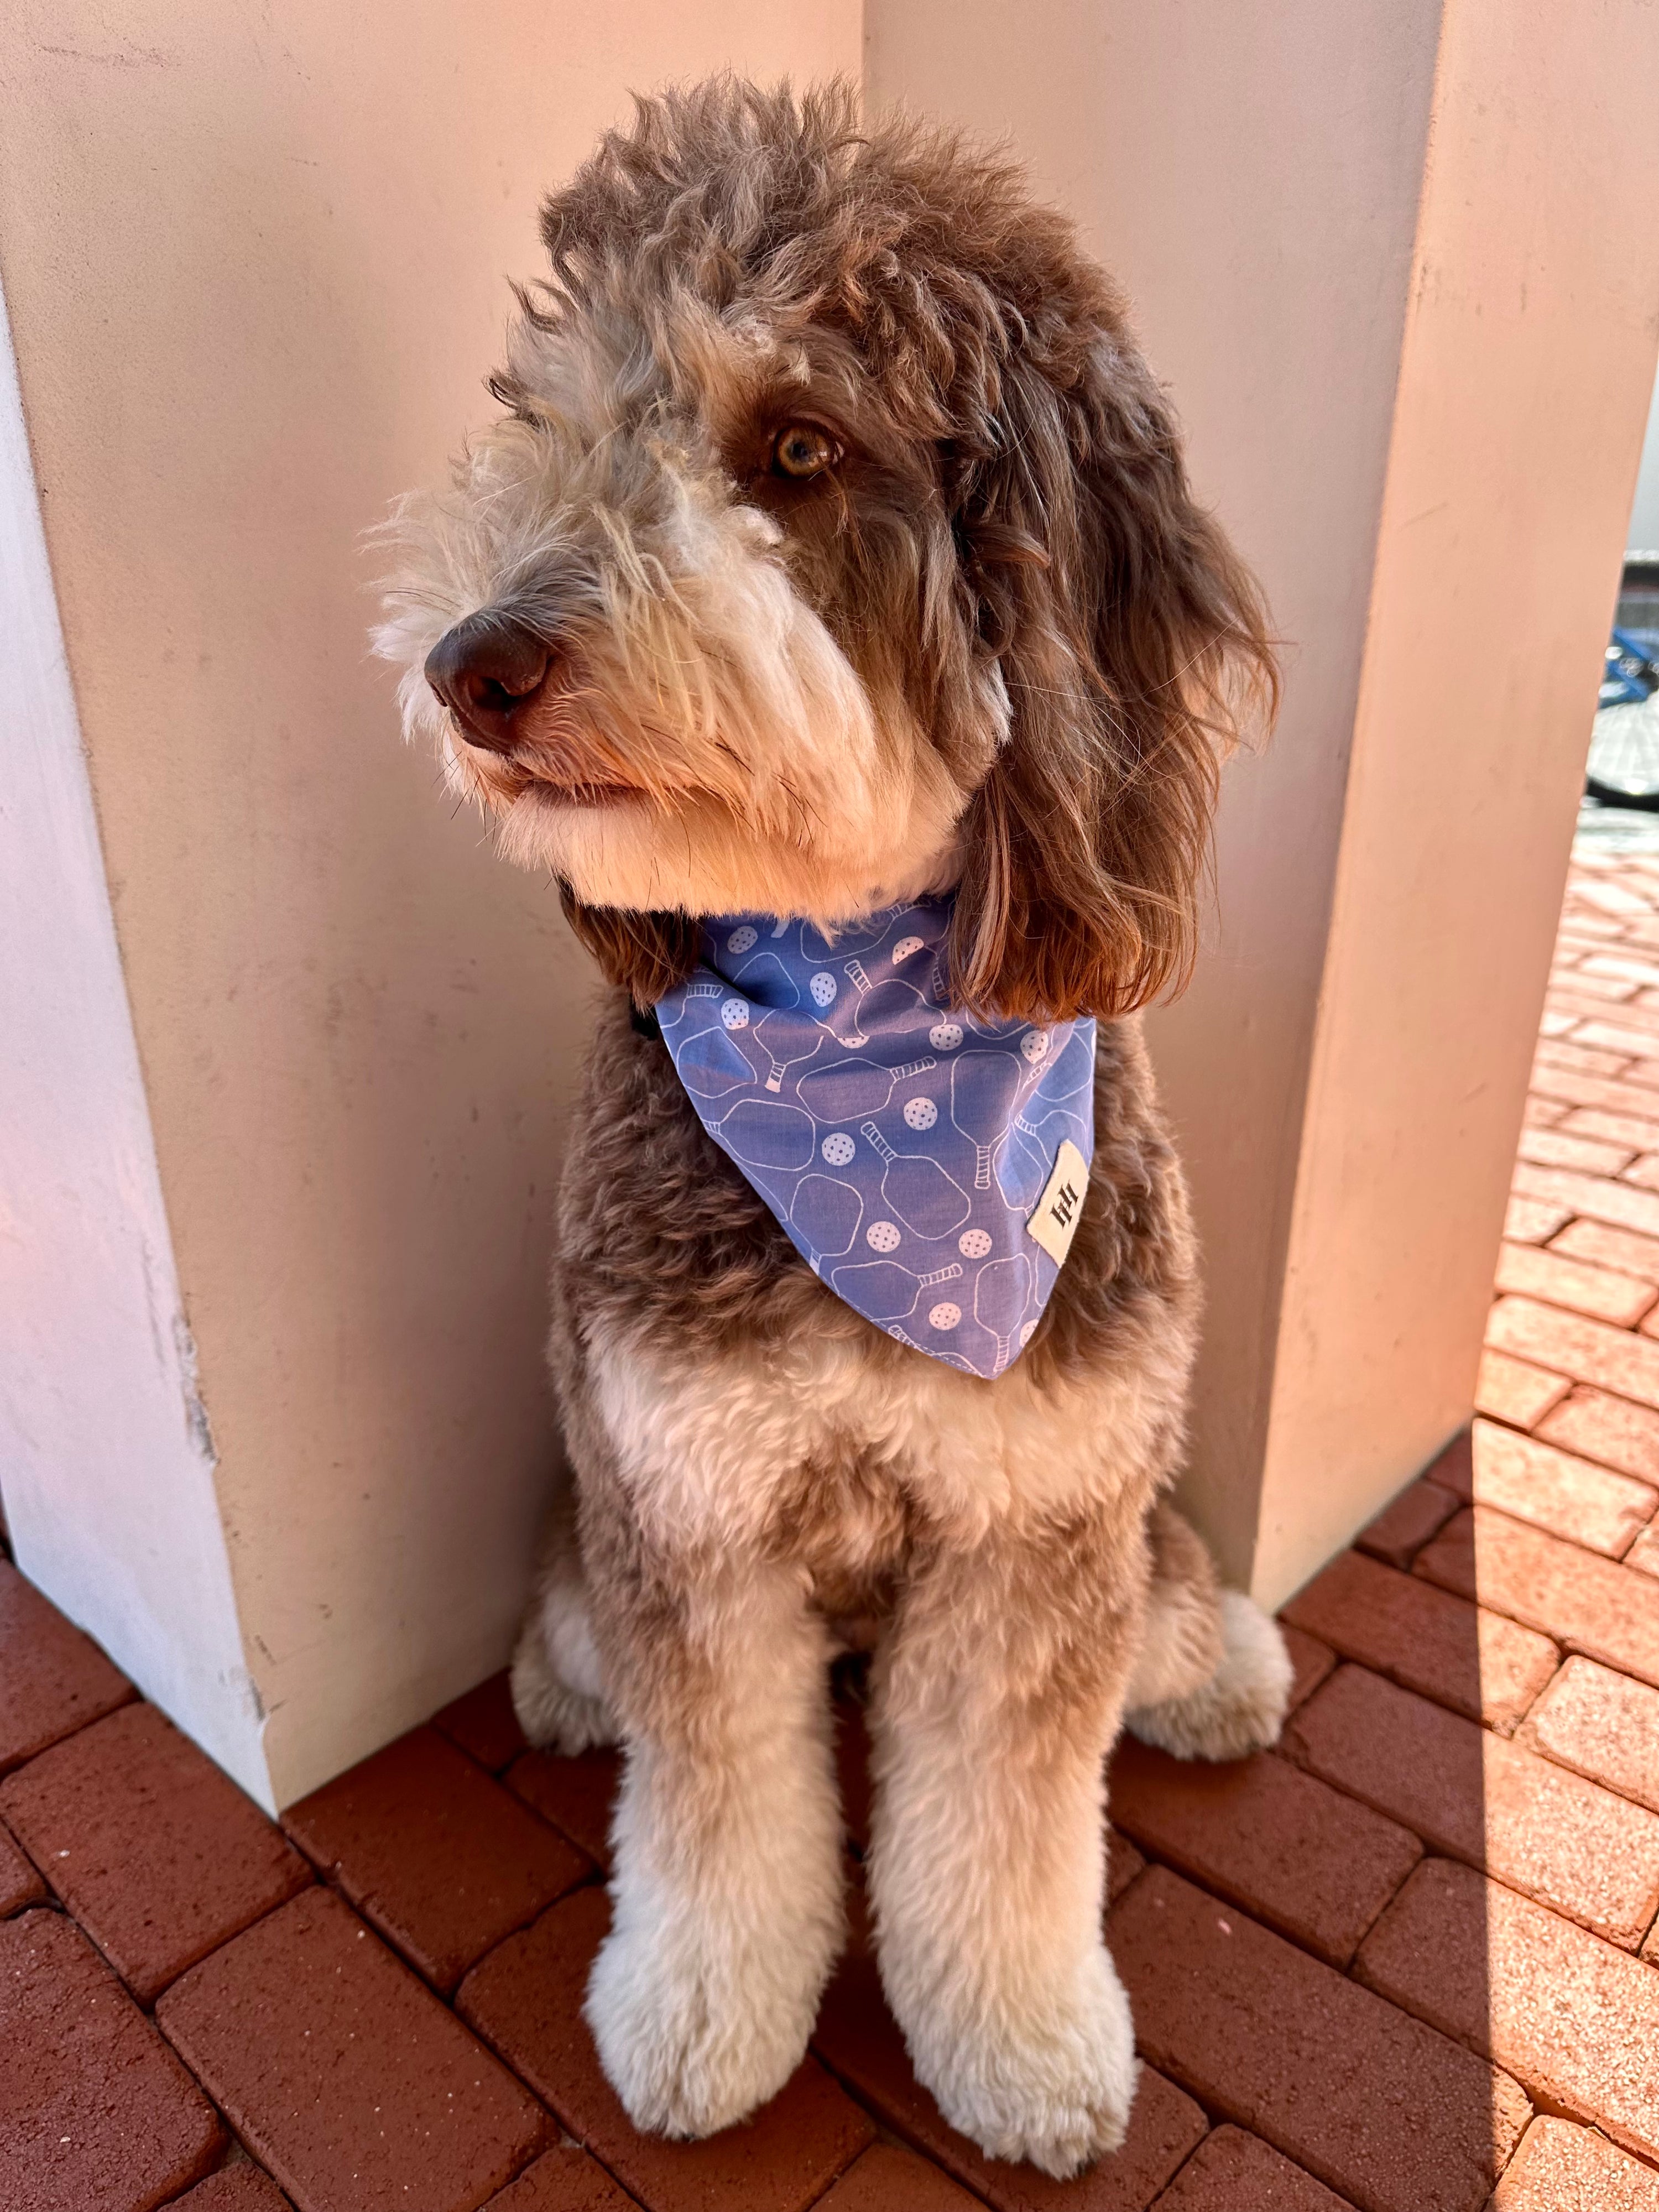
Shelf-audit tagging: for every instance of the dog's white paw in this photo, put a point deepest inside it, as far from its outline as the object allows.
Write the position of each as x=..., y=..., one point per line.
x=1054, y=2091
x=555, y=1712
x=1241, y=1709
x=692, y=2036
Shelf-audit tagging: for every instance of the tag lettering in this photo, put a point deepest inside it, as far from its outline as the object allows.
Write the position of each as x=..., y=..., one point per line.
x=1053, y=1224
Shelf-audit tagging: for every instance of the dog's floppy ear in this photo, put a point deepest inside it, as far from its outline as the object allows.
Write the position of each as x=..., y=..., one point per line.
x=1129, y=636
x=648, y=954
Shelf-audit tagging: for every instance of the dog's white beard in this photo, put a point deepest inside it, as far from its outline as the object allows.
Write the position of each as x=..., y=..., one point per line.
x=770, y=781
x=781, y=790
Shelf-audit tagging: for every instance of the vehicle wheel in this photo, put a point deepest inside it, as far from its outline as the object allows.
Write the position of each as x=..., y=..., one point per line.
x=1623, y=769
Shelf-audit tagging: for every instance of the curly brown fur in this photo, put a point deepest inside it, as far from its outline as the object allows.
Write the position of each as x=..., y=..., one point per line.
x=981, y=639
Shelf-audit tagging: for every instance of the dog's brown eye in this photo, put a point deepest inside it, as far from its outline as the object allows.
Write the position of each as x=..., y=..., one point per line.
x=801, y=449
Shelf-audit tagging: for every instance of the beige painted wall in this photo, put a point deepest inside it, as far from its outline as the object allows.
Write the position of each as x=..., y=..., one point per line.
x=256, y=261
x=1348, y=1090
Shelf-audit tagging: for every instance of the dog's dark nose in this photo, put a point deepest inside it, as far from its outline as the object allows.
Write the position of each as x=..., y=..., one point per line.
x=487, y=670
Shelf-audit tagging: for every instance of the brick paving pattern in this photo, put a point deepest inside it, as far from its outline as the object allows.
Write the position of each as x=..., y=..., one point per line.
x=1408, y=1961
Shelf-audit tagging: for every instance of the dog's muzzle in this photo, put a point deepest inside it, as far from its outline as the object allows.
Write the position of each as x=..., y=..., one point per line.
x=487, y=670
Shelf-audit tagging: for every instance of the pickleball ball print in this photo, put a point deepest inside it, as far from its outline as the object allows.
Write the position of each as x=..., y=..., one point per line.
x=884, y=1236
x=742, y=940
x=944, y=1315
x=945, y=1036
x=1034, y=1045
x=735, y=1014
x=920, y=1113
x=906, y=947
x=838, y=1149
x=823, y=988
x=974, y=1243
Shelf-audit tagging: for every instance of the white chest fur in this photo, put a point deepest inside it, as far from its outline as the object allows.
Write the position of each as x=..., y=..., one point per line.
x=708, y=1449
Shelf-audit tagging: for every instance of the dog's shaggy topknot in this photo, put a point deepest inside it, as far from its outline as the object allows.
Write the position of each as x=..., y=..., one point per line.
x=905, y=234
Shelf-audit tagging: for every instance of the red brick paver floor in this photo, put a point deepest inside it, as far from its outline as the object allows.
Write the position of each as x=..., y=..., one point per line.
x=1408, y=1961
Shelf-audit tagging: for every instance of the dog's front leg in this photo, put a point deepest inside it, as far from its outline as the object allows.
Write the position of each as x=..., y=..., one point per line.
x=727, y=1892
x=996, y=1703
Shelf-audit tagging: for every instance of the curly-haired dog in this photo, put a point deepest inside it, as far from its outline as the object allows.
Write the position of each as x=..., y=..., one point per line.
x=836, y=553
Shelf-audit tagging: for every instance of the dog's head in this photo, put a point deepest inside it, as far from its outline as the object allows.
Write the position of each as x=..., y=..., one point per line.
x=836, y=546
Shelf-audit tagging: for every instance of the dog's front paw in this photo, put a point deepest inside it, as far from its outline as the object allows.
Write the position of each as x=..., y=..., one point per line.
x=1241, y=1709
x=692, y=2035
x=1052, y=2088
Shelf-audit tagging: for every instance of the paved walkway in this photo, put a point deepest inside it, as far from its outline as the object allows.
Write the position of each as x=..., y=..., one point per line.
x=1410, y=1952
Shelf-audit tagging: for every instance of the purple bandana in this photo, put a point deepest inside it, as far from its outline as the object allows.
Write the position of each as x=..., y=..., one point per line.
x=931, y=1168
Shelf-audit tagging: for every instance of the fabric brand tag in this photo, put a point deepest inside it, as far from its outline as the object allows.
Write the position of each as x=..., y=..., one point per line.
x=1060, y=1206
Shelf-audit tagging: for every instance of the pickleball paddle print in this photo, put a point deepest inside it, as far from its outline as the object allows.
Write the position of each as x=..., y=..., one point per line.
x=778, y=1037
x=902, y=1144
x=984, y=1088
x=710, y=1065
x=825, y=1215
x=884, y=1291
x=851, y=1090
x=1062, y=1108
x=928, y=1200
